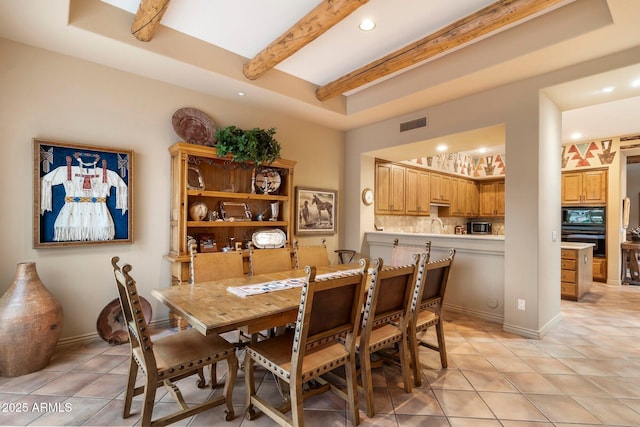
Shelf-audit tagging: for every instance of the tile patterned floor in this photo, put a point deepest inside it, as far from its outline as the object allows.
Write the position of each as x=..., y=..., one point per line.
x=584, y=372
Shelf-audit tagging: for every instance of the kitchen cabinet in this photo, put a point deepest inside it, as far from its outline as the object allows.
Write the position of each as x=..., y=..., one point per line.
x=417, y=185
x=199, y=176
x=491, y=199
x=576, y=272
x=390, y=191
x=473, y=199
x=584, y=187
x=464, y=198
x=440, y=188
x=600, y=269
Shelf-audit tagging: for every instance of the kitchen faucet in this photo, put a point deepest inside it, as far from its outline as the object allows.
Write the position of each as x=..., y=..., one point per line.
x=436, y=219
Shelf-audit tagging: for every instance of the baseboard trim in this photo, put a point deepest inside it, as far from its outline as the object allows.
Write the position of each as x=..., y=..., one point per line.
x=84, y=339
x=531, y=333
x=490, y=317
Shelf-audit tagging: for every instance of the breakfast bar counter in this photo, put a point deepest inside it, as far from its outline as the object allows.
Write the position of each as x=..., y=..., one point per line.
x=476, y=281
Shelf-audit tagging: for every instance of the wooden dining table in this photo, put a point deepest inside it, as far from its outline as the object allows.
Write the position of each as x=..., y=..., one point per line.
x=209, y=307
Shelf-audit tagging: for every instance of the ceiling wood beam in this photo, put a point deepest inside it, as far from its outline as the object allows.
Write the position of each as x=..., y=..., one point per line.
x=633, y=159
x=491, y=18
x=315, y=23
x=148, y=18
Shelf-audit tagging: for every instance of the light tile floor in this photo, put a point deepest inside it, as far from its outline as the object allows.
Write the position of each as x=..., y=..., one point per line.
x=585, y=371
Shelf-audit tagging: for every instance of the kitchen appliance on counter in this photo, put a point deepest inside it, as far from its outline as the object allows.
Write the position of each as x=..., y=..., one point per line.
x=586, y=224
x=479, y=227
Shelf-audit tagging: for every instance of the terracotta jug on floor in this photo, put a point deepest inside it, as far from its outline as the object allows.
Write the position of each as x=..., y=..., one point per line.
x=30, y=324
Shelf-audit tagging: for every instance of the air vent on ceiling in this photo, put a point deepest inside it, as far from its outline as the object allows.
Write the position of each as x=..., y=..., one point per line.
x=413, y=124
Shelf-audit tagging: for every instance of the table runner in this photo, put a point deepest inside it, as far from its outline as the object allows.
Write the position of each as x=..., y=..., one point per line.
x=278, y=285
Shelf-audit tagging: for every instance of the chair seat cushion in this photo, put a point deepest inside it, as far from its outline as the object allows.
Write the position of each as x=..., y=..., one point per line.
x=317, y=360
x=426, y=319
x=187, y=350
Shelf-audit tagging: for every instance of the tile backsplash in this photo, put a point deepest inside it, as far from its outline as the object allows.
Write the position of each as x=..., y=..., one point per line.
x=428, y=224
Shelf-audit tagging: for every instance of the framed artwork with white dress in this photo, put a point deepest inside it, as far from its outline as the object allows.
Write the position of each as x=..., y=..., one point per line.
x=82, y=194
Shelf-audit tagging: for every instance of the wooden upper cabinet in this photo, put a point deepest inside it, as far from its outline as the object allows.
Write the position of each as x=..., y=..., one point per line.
x=473, y=199
x=440, y=188
x=584, y=188
x=491, y=199
x=459, y=197
x=417, y=192
x=390, y=182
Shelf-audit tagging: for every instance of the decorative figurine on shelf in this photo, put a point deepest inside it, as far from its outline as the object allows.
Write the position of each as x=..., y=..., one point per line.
x=275, y=210
x=260, y=216
x=198, y=211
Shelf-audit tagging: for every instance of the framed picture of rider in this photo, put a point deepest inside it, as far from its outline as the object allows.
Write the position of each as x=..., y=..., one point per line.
x=315, y=211
x=81, y=194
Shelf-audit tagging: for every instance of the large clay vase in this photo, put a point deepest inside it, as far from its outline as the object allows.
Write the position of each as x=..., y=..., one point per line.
x=30, y=324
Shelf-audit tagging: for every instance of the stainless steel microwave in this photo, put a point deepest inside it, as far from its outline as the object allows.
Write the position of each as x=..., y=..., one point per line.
x=479, y=227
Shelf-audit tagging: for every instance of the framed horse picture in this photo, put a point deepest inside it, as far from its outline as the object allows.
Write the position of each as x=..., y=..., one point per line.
x=315, y=211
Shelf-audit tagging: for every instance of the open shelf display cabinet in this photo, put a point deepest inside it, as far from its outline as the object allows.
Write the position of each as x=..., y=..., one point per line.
x=221, y=180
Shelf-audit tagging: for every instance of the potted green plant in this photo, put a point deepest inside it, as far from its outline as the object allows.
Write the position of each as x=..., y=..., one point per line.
x=254, y=145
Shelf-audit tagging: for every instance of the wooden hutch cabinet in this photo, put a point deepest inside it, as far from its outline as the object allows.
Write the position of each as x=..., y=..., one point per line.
x=199, y=175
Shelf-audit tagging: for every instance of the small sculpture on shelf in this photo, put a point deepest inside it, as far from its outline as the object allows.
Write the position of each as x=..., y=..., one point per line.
x=635, y=234
x=198, y=211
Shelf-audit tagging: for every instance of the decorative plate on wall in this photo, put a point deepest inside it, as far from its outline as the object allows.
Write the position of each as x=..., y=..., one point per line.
x=194, y=126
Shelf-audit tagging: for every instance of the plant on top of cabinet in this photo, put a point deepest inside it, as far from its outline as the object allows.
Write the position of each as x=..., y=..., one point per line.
x=255, y=145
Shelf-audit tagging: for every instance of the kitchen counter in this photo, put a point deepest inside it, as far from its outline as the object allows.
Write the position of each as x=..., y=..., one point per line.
x=476, y=281
x=576, y=245
x=576, y=274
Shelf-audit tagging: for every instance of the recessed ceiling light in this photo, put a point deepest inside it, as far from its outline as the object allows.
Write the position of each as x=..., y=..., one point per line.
x=367, y=24
x=442, y=147
x=241, y=93
x=608, y=89
x=576, y=135
x=482, y=150
x=635, y=83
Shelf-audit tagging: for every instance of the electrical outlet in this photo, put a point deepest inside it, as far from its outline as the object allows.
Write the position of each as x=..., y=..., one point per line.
x=521, y=304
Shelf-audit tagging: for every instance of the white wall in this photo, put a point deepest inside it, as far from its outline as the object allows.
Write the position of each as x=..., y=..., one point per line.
x=51, y=96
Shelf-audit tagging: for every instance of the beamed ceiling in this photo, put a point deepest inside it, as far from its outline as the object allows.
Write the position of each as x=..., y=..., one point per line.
x=309, y=59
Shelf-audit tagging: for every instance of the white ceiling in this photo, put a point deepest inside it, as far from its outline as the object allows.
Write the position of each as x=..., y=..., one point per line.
x=222, y=35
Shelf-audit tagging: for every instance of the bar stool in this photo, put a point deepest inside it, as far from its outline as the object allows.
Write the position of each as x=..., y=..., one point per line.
x=345, y=255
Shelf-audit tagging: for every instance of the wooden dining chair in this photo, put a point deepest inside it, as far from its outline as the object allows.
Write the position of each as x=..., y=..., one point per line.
x=209, y=266
x=169, y=359
x=384, y=321
x=315, y=255
x=403, y=255
x=323, y=339
x=215, y=265
x=426, y=311
x=264, y=261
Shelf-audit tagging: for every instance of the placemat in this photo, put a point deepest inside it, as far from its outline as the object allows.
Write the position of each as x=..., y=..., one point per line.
x=278, y=285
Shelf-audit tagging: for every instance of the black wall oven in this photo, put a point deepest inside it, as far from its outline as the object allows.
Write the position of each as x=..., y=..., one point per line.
x=586, y=224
